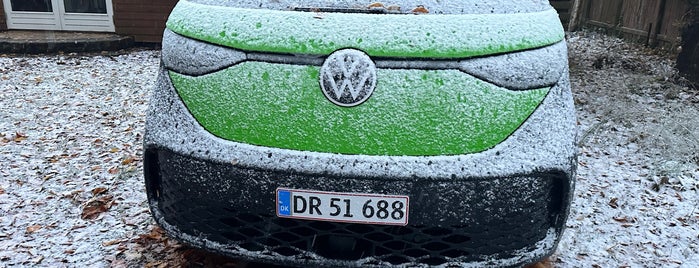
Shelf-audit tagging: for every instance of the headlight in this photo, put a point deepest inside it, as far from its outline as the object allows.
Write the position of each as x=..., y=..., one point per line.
x=536, y=68
x=188, y=56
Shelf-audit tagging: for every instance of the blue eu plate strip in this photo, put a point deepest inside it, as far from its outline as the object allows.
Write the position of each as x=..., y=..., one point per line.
x=284, y=203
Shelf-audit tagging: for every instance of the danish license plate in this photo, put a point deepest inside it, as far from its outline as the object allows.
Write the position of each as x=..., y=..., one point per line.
x=343, y=207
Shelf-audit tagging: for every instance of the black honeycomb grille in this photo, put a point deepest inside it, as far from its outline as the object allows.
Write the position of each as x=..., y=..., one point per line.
x=192, y=196
x=267, y=234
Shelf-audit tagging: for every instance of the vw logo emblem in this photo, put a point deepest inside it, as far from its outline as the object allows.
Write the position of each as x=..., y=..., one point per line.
x=348, y=77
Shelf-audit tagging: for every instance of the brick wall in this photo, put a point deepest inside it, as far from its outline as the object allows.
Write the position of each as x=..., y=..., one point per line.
x=144, y=20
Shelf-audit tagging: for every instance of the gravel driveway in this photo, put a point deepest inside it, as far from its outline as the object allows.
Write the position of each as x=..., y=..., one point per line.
x=71, y=192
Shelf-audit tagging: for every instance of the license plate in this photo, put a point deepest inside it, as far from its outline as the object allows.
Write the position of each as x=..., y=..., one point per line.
x=343, y=207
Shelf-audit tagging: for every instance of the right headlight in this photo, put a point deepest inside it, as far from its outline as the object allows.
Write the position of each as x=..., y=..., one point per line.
x=536, y=68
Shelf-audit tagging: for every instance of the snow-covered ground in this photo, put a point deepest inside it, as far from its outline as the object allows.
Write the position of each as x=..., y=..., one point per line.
x=636, y=199
x=71, y=190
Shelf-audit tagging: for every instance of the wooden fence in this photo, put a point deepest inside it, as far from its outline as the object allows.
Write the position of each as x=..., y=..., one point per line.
x=564, y=8
x=654, y=22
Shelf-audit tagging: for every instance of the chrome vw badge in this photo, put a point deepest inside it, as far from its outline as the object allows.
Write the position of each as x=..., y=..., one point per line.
x=348, y=77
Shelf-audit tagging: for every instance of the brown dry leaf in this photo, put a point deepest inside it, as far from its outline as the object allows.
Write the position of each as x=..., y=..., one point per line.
x=128, y=160
x=113, y=242
x=114, y=170
x=375, y=5
x=114, y=150
x=54, y=159
x=118, y=263
x=624, y=219
x=33, y=228
x=420, y=10
x=157, y=264
x=542, y=264
x=156, y=235
x=393, y=8
x=96, y=206
x=2, y=190
x=98, y=190
x=19, y=136
x=613, y=202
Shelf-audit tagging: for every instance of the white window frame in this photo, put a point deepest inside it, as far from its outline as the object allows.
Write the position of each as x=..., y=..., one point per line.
x=59, y=20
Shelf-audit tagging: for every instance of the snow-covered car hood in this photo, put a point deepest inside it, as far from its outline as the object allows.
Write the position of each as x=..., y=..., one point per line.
x=444, y=36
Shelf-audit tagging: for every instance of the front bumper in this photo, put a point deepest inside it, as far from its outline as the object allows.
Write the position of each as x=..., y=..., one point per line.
x=502, y=207
x=491, y=221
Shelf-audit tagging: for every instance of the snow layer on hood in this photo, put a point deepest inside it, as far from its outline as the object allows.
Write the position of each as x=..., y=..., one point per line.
x=434, y=6
x=443, y=36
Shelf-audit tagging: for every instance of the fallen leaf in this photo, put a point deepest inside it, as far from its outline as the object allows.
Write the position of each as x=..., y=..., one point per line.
x=420, y=10
x=156, y=234
x=38, y=259
x=112, y=242
x=2, y=190
x=679, y=197
x=96, y=206
x=19, y=136
x=114, y=149
x=33, y=228
x=98, y=190
x=542, y=264
x=128, y=160
x=393, y=8
x=613, y=202
x=375, y=5
x=624, y=219
x=114, y=170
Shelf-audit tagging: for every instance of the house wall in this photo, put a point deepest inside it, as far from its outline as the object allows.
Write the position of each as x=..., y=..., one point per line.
x=3, y=21
x=144, y=20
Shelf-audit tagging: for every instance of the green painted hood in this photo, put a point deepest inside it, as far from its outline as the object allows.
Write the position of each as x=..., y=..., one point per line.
x=385, y=35
x=412, y=112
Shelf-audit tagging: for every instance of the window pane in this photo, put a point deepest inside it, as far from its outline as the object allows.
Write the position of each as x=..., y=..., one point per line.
x=86, y=6
x=31, y=5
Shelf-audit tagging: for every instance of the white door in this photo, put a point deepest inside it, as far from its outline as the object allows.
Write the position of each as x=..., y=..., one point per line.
x=67, y=15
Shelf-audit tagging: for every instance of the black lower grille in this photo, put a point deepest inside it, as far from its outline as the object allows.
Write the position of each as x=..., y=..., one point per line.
x=458, y=221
